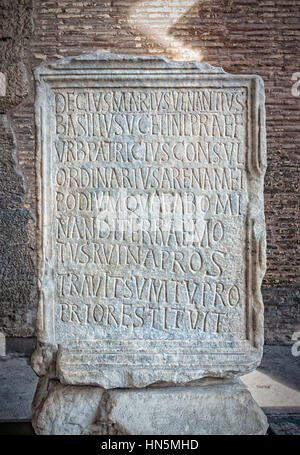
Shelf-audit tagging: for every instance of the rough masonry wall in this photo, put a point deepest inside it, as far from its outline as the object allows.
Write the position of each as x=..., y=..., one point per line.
x=17, y=256
x=242, y=36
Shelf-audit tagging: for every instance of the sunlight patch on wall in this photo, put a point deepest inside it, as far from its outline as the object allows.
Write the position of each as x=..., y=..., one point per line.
x=155, y=18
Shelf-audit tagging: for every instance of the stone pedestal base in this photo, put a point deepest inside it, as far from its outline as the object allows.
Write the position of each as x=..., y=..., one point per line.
x=214, y=408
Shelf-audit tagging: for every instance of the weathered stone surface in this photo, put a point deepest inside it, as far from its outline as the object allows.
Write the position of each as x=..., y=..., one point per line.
x=17, y=386
x=215, y=408
x=17, y=278
x=59, y=409
x=152, y=234
x=18, y=293
x=16, y=28
x=272, y=385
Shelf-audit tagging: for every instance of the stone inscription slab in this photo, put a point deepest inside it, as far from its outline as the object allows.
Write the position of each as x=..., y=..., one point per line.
x=152, y=234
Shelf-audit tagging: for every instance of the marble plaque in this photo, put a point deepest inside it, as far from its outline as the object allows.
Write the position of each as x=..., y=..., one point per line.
x=151, y=221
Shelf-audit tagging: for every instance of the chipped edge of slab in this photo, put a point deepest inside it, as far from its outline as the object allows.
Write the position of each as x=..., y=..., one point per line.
x=88, y=60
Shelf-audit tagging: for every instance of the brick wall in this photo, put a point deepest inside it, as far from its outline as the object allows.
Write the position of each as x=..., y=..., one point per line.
x=245, y=36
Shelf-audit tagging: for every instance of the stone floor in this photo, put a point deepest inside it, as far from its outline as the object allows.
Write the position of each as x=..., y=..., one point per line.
x=275, y=385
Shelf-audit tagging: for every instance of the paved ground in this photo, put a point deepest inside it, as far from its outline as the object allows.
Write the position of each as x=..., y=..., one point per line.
x=276, y=383
x=17, y=386
x=275, y=386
